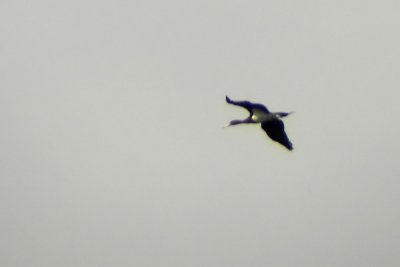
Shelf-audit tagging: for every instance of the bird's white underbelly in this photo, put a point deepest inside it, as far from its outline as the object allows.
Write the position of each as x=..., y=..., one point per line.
x=260, y=116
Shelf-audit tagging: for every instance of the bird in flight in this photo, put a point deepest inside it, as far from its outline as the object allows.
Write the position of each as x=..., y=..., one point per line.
x=270, y=121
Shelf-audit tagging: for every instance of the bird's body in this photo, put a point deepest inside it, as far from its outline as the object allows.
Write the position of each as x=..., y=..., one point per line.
x=260, y=116
x=270, y=121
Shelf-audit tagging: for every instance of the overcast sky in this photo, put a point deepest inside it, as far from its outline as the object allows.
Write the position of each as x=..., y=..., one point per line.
x=112, y=152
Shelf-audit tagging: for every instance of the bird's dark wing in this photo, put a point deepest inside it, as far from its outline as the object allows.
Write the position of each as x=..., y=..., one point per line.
x=247, y=105
x=276, y=131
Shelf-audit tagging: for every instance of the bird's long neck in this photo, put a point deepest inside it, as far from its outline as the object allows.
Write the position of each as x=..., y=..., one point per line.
x=236, y=122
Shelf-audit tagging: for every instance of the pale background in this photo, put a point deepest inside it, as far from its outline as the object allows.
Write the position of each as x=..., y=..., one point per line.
x=112, y=152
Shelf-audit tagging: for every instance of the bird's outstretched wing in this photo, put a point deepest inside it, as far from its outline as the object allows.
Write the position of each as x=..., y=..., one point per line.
x=276, y=131
x=247, y=105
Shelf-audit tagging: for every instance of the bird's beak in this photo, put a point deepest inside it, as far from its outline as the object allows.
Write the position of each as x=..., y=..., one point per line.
x=227, y=125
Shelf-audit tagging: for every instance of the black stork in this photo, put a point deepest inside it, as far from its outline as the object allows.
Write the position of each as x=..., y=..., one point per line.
x=270, y=121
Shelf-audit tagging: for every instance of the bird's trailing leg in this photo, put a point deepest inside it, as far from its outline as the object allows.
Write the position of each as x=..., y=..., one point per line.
x=283, y=114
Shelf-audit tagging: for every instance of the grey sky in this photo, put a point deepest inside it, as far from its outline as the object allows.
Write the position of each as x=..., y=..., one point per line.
x=112, y=152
